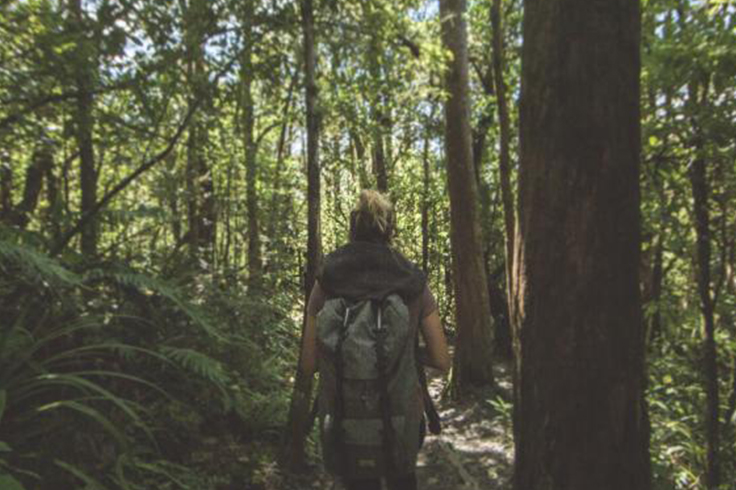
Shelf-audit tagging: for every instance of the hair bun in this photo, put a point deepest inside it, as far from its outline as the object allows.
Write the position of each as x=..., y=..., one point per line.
x=374, y=215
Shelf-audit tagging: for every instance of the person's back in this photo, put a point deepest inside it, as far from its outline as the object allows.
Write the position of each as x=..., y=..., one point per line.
x=364, y=316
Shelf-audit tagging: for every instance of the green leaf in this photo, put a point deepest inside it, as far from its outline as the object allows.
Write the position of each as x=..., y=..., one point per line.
x=88, y=480
x=4, y=448
x=7, y=482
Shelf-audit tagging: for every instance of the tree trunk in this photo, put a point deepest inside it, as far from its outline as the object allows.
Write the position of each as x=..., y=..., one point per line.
x=472, y=363
x=41, y=163
x=84, y=127
x=655, y=321
x=377, y=107
x=426, y=181
x=6, y=188
x=581, y=421
x=53, y=213
x=505, y=130
x=200, y=186
x=251, y=170
x=299, y=409
x=701, y=192
x=281, y=157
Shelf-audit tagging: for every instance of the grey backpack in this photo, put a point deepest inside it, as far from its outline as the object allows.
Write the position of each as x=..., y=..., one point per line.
x=369, y=404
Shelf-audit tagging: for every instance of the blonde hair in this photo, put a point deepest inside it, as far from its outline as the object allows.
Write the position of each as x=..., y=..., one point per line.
x=373, y=217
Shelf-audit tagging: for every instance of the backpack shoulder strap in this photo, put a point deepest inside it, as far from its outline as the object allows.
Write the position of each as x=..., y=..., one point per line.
x=388, y=431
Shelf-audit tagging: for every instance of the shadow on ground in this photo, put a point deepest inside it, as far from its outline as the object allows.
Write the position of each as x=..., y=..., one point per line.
x=473, y=452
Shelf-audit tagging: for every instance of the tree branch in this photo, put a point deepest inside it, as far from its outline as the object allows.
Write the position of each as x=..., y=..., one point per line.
x=67, y=237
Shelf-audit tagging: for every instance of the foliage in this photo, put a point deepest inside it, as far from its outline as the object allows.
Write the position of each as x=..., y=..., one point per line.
x=158, y=361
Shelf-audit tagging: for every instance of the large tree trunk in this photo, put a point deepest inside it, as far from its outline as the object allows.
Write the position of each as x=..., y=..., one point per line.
x=581, y=421
x=472, y=363
x=251, y=173
x=299, y=410
x=84, y=127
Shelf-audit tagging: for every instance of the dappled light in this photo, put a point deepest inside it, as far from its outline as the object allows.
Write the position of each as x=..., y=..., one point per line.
x=346, y=245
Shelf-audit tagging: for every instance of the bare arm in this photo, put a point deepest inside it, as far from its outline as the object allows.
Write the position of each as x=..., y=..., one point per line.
x=438, y=356
x=308, y=356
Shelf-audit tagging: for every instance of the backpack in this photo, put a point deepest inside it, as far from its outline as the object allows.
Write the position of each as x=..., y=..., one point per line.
x=370, y=408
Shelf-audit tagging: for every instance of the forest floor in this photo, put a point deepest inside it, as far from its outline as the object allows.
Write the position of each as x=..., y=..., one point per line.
x=473, y=452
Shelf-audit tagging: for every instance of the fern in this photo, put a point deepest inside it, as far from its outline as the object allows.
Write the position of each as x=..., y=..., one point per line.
x=204, y=366
x=197, y=363
x=148, y=285
x=34, y=266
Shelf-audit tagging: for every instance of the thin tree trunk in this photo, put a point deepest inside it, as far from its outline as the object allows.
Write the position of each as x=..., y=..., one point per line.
x=701, y=196
x=53, y=212
x=41, y=163
x=376, y=97
x=426, y=181
x=251, y=170
x=281, y=157
x=472, y=362
x=200, y=186
x=505, y=130
x=580, y=420
x=655, y=322
x=728, y=319
x=299, y=408
x=84, y=128
x=701, y=193
x=6, y=188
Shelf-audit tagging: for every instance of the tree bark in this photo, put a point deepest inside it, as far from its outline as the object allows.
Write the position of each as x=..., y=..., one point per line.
x=281, y=155
x=200, y=186
x=504, y=166
x=472, y=363
x=377, y=108
x=299, y=409
x=6, y=188
x=41, y=164
x=426, y=187
x=84, y=127
x=251, y=169
x=655, y=321
x=701, y=193
x=581, y=421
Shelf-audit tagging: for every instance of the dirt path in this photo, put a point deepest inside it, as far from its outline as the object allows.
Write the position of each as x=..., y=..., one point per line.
x=474, y=451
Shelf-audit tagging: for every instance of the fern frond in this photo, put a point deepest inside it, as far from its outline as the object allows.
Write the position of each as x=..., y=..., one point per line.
x=35, y=266
x=205, y=367
x=197, y=363
x=151, y=285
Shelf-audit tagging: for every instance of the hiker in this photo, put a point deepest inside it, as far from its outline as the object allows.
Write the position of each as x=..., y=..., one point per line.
x=363, y=319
